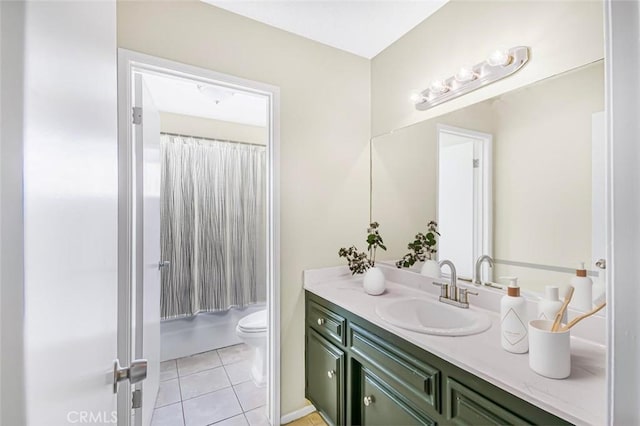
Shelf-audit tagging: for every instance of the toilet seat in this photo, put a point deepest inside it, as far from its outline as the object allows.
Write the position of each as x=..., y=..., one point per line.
x=254, y=323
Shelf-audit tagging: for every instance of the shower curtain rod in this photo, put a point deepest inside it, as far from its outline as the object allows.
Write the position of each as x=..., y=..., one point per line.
x=211, y=139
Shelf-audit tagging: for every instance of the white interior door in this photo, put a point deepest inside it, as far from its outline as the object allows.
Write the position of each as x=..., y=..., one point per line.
x=464, y=197
x=146, y=318
x=455, y=200
x=65, y=111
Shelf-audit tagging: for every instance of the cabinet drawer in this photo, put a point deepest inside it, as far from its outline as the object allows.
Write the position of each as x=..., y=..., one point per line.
x=325, y=322
x=325, y=377
x=419, y=381
x=467, y=407
x=380, y=405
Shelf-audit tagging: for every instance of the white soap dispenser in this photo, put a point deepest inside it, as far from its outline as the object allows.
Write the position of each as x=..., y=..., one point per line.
x=513, y=319
x=550, y=304
x=583, y=294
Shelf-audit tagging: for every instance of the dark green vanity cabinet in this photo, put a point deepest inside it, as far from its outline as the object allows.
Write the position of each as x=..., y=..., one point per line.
x=360, y=374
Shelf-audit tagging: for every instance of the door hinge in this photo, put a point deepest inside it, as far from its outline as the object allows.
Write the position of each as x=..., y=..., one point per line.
x=476, y=163
x=137, y=115
x=136, y=399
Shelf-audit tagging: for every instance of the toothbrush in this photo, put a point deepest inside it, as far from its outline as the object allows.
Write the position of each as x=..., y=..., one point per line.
x=583, y=316
x=567, y=299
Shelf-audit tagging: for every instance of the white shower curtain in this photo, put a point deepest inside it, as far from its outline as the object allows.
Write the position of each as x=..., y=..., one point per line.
x=212, y=225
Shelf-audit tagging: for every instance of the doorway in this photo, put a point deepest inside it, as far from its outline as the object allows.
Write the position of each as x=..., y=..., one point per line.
x=198, y=243
x=464, y=202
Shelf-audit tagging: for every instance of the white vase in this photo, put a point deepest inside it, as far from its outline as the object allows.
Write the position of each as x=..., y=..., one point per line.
x=431, y=268
x=374, y=281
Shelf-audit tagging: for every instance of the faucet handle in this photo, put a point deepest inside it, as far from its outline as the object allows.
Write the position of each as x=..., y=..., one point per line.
x=463, y=295
x=444, y=289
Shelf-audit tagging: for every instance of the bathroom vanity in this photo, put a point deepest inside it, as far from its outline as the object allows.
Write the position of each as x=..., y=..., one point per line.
x=362, y=370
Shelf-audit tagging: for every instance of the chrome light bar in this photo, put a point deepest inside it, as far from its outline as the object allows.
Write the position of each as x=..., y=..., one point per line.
x=500, y=64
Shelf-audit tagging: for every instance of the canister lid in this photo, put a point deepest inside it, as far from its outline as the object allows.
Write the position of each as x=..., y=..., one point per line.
x=551, y=292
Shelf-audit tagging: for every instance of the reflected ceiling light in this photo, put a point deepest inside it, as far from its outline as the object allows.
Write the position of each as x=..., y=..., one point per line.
x=438, y=86
x=499, y=58
x=500, y=64
x=465, y=74
x=215, y=93
x=416, y=97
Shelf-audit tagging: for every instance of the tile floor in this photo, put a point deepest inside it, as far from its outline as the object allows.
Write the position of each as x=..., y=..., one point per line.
x=211, y=388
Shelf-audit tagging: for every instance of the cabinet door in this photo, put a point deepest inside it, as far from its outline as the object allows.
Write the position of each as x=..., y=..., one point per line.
x=380, y=405
x=325, y=372
x=466, y=407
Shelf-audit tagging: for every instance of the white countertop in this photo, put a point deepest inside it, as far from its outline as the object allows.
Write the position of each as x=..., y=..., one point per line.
x=579, y=399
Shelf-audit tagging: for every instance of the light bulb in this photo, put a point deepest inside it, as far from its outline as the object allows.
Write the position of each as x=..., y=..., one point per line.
x=438, y=86
x=499, y=58
x=416, y=98
x=465, y=74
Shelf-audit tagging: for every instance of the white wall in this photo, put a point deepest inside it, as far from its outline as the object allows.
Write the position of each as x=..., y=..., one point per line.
x=562, y=35
x=209, y=128
x=542, y=173
x=12, y=389
x=325, y=128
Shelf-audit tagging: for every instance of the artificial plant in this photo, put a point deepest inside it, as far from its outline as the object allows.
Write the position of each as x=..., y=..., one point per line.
x=359, y=261
x=422, y=248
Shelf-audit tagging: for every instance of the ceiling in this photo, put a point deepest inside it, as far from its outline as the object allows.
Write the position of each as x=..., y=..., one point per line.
x=183, y=97
x=362, y=27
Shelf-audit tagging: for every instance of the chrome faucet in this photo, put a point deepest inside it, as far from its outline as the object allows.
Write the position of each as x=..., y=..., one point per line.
x=477, y=280
x=453, y=287
x=449, y=293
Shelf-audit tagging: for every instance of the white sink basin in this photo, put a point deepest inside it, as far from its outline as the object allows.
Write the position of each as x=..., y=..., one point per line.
x=432, y=317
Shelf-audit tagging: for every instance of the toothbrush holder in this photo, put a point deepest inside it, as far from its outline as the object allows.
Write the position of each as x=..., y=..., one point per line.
x=549, y=352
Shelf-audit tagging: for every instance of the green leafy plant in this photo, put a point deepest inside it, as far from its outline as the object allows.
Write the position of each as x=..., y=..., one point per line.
x=359, y=261
x=422, y=248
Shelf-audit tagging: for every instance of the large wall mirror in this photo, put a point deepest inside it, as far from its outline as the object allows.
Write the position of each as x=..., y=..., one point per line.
x=519, y=177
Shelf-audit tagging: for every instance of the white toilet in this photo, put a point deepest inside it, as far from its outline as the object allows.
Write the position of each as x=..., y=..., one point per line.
x=252, y=330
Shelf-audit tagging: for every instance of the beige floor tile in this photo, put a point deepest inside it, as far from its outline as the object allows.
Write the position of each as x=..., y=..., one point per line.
x=170, y=415
x=250, y=395
x=168, y=370
x=236, y=353
x=239, y=420
x=203, y=382
x=196, y=363
x=257, y=417
x=239, y=372
x=169, y=393
x=211, y=408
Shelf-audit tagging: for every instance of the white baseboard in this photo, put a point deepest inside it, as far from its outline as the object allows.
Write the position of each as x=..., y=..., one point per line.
x=298, y=414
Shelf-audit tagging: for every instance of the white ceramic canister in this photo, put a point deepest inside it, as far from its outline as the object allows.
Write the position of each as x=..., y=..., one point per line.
x=549, y=352
x=431, y=268
x=374, y=282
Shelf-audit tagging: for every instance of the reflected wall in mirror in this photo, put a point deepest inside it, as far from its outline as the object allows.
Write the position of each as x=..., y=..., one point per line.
x=534, y=202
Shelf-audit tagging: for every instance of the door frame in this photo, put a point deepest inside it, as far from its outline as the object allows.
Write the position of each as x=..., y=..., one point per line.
x=128, y=63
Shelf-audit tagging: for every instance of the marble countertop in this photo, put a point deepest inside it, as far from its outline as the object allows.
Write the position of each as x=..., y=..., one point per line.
x=579, y=399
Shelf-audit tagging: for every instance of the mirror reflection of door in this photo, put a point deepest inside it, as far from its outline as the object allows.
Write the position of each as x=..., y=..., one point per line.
x=464, y=197
x=598, y=203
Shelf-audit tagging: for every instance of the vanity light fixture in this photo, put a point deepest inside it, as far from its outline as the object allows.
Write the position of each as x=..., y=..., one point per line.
x=465, y=74
x=500, y=64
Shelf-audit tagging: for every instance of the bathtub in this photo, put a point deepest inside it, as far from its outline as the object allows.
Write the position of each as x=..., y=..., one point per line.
x=203, y=332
